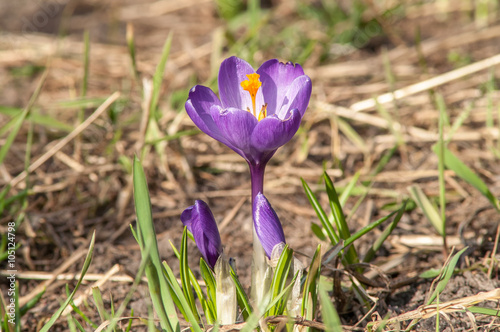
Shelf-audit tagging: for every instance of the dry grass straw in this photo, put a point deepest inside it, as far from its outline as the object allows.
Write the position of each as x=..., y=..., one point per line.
x=444, y=308
x=59, y=145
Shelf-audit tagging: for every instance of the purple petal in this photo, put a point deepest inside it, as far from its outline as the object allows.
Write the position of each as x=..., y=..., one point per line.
x=236, y=126
x=276, y=77
x=232, y=72
x=267, y=225
x=297, y=96
x=201, y=99
x=272, y=132
x=200, y=221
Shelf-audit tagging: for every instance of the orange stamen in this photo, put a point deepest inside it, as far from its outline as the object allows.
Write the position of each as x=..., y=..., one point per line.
x=252, y=85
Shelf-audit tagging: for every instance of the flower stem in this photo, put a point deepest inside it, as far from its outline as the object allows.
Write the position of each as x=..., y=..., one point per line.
x=260, y=270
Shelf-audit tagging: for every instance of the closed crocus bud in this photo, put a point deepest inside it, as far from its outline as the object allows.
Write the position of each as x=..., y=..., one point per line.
x=200, y=221
x=267, y=225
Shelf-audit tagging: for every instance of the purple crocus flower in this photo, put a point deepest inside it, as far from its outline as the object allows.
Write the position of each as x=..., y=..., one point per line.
x=200, y=221
x=267, y=225
x=258, y=111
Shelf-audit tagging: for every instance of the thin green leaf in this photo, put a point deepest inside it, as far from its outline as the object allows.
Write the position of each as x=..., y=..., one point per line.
x=96, y=294
x=440, y=154
x=336, y=208
x=318, y=231
x=458, y=122
x=12, y=135
x=183, y=303
x=280, y=276
x=328, y=312
x=427, y=208
x=243, y=302
x=31, y=303
x=86, y=265
x=158, y=76
x=184, y=273
x=310, y=295
x=208, y=277
x=339, y=218
x=208, y=306
x=43, y=120
x=351, y=134
x=323, y=218
x=131, y=49
x=346, y=193
x=267, y=304
x=86, y=62
x=367, y=229
x=22, y=116
x=158, y=286
x=137, y=280
x=370, y=254
x=429, y=274
x=445, y=275
x=484, y=311
x=465, y=173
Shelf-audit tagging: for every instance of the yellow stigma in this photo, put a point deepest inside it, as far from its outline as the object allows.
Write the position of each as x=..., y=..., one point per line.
x=252, y=85
x=262, y=113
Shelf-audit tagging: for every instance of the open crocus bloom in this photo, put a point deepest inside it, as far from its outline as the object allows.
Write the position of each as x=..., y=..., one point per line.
x=258, y=111
x=200, y=221
x=267, y=225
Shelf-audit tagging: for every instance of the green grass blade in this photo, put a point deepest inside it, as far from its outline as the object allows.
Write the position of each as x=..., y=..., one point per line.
x=346, y=193
x=158, y=286
x=86, y=265
x=367, y=229
x=266, y=304
x=351, y=134
x=131, y=50
x=445, y=275
x=158, y=76
x=19, y=121
x=31, y=303
x=12, y=135
x=137, y=280
x=318, y=231
x=82, y=315
x=279, y=278
x=174, y=286
x=458, y=122
x=323, y=218
x=96, y=294
x=484, y=311
x=184, y=274
x=427, y=208
x=370, y=254
x=310, y=296
x=328, y=312
x=339, y=218
x=208, y=306
x=336, y=208
x=208, y=277
x=253, y=320
x=43, y=120
x=465, y=173
x=440, y=154
x=243, y=302
x=86, y=62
